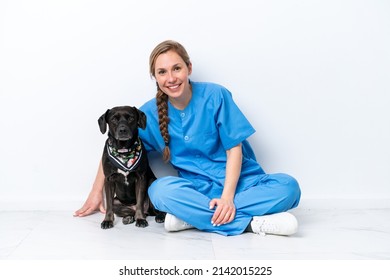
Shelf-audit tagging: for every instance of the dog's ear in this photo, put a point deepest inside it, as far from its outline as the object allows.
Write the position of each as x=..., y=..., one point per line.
x=103, y=122
x=141, y=118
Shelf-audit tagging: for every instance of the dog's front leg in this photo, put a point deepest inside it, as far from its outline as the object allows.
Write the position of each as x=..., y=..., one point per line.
x=140, y=192
x=109, y=189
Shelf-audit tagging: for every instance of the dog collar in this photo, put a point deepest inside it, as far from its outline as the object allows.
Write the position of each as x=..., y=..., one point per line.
x=125, y=159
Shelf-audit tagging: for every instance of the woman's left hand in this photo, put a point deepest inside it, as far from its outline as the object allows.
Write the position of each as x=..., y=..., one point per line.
x=224, y=213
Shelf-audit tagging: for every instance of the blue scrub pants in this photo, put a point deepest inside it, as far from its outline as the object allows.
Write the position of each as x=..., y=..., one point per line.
x=189, y=200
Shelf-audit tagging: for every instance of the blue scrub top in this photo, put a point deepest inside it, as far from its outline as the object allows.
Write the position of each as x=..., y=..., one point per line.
x=201, y=133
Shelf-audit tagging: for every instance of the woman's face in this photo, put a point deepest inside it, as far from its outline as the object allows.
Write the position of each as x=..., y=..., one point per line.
x=172, y=76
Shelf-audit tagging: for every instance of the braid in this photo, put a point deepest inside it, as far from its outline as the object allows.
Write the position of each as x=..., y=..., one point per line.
x=163, y=120
x=161, y=97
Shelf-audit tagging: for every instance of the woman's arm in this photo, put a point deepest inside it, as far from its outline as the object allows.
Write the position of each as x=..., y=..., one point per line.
x=94, y=201
x=226, y=210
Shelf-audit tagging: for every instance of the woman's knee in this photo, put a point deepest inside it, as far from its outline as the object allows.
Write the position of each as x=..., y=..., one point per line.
x=292, y=190
x=164, y=187
x=288, y=185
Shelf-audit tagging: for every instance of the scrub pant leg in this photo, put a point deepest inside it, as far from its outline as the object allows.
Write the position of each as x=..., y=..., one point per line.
x=178, y=196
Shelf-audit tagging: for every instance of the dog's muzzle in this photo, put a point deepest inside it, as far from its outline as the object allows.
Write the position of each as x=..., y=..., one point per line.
x=123, y=133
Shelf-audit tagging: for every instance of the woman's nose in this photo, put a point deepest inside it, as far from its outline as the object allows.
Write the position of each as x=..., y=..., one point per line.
x=171, y=77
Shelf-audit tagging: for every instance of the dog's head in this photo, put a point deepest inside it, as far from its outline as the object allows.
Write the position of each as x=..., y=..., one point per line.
x=122, y=122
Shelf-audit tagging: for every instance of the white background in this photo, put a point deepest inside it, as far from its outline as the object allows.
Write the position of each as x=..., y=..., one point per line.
x=313, y=77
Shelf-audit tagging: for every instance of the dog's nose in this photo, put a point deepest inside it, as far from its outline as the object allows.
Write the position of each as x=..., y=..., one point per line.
x=123, y=132
x=122, y=129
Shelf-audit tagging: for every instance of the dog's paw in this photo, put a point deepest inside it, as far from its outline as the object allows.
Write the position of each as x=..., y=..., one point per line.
x=107, y=224
x=160, y=218
x=141, y=223
x=128, y=220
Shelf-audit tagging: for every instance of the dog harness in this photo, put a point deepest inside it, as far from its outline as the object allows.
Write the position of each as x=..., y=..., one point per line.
x=125, y=159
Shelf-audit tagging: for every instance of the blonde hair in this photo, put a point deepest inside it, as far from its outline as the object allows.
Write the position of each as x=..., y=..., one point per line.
x=161, y=97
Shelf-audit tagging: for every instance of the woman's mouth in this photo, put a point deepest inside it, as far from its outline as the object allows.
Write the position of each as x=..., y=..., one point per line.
x=173, y=87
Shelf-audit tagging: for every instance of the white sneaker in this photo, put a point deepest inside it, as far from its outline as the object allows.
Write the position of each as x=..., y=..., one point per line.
x=279, y=224
x=174, y=224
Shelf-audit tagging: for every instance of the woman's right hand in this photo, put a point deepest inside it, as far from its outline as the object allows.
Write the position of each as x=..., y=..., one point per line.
x=94, y=201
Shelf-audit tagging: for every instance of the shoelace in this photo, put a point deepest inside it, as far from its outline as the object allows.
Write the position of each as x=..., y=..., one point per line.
x=186, y=224
x=265, y=228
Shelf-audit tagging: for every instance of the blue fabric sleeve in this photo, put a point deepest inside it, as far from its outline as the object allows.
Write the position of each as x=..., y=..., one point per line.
x=232, y=125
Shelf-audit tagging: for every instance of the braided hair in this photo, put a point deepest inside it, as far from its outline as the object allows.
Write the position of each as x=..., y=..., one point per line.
x=161, y=97
x=163, y=120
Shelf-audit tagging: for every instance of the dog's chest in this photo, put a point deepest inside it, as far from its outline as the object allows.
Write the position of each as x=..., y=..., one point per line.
x=125, y=174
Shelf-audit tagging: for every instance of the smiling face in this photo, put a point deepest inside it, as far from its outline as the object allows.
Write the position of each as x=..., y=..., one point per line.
x=172, y=76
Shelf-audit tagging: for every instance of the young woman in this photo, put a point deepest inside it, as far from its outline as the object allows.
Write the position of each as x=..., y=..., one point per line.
x=198, y=128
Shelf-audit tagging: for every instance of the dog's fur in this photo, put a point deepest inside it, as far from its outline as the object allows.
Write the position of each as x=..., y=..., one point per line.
x=126, y=192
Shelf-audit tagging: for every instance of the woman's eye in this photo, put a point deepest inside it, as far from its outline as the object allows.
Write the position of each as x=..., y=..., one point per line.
x=161, y=72
x=177, y=69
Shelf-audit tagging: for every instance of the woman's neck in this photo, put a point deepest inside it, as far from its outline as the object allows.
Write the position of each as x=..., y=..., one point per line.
x=181, y=102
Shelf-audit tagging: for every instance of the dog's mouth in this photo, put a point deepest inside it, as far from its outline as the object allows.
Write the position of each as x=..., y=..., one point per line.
x=123, y=138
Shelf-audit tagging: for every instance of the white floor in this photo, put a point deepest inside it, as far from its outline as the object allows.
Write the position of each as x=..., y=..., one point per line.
x=324, y=234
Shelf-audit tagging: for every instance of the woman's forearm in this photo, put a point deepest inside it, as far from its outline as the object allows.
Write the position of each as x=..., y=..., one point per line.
x=233, y=171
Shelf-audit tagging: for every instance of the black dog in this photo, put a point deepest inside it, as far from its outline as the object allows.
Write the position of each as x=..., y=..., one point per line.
x=126, y=168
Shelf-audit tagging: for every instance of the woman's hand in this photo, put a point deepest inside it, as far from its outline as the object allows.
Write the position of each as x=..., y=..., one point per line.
x=93, y=203
x=224, y=213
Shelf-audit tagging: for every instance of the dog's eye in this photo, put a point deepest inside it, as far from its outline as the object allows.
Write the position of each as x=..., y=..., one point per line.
x=129, y=118
x=115, y=119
